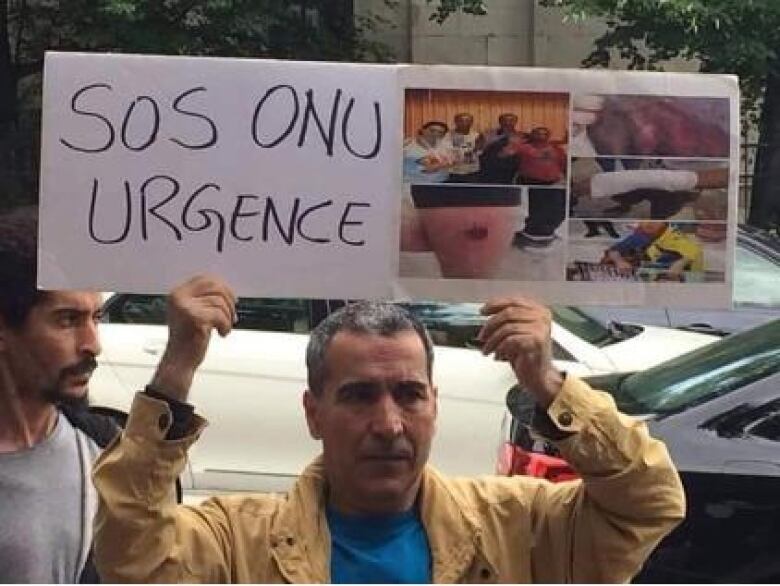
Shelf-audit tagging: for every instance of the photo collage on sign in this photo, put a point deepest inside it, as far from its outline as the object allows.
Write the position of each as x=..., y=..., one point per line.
x=649, y=188
x=533, y=186
x=485, y=182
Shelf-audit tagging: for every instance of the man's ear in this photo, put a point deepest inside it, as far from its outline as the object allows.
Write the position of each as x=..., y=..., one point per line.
x=310, y=407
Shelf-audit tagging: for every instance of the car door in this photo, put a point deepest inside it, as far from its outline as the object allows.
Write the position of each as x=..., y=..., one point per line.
x=728, y=454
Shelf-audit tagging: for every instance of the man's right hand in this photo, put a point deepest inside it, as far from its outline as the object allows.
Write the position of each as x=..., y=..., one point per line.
x=194, y=308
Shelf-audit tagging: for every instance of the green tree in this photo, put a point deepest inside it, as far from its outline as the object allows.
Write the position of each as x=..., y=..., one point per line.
x=726, y=36
x=304, y=29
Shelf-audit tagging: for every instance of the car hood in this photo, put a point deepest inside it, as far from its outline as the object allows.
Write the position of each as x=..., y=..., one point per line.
x=653, y=346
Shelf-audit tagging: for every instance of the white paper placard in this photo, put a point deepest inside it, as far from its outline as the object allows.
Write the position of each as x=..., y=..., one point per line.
x=304, y=179
x=278, y=176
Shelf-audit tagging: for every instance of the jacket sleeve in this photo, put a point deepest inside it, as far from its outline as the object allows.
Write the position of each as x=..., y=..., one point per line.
x=603, y=528
x=141, y=535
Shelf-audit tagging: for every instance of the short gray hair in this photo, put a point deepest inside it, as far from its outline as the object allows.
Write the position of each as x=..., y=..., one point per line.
x=362, y=317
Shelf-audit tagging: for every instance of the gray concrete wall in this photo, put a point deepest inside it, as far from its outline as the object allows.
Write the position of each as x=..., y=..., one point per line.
x=503, y=37
x=514, y=32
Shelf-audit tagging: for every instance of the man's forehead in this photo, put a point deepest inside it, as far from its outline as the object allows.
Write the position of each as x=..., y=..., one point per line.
x=77, y=300
x=356, y=352
x=361, y=341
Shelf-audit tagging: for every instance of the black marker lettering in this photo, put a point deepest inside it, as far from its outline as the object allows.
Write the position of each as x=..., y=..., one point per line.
x=270, y=209
x=154, y=128
x=207, y=214
x=329, y=136
x=290, y=126
x=345, y=130
x=237, y=213
x=153, y=210
x=345, y=222
x=303, y=217
x=212, y=140
x=75, y=109
x=128, y=215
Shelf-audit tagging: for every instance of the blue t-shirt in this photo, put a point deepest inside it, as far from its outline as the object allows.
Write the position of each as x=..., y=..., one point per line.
x=391, y=549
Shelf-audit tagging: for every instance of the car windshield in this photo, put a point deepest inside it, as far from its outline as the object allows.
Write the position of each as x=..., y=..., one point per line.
x=457, y=324
x=449, y=324
x=757, y=274
x=704, y=374
x=583, y=326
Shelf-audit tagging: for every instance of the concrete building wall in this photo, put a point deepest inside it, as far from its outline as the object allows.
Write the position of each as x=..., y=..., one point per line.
x=503, y=37
x=514, y=32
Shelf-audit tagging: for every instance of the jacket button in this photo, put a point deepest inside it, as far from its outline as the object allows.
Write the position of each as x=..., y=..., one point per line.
x=484, y=573
x=565, y=418
x=164, y=421
x=290, y=541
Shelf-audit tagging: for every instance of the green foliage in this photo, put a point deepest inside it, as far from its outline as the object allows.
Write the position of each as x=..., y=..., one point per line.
x=312, y=29
x=444, y=8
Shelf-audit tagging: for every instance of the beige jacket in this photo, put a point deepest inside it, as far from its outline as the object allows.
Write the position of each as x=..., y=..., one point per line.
x=492, y=529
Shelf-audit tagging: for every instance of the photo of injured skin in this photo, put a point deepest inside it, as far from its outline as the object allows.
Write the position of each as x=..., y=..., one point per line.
x=650, y=126
x=646, y=251
x=471, y=232
x=649, y=189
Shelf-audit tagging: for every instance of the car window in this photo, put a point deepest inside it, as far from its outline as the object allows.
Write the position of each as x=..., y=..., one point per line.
x=135, y=309
x=711, y=371
x=756, y=278
x=254, y=313
x=273, y=315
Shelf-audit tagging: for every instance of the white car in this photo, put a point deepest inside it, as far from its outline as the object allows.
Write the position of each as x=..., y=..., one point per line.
x=251, y=382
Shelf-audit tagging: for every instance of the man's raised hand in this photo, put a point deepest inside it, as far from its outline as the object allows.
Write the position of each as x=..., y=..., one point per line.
x=196, y=307
x=518, y=332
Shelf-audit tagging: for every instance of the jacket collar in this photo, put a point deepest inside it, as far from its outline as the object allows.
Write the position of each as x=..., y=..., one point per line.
x=300, y=539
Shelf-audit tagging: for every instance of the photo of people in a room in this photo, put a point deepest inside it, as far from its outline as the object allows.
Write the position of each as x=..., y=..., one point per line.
x=653, y=189
x=650, y=126
x=485, y=137
x=646, y=251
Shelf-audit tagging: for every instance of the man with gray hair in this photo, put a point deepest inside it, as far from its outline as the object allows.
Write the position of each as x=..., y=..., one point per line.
x=371, y=509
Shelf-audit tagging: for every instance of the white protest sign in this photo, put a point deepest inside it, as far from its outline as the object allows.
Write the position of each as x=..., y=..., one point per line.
x=279, y=176
x=343, y=180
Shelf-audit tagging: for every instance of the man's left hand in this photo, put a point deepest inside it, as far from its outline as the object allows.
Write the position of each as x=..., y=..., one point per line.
x=518, y=332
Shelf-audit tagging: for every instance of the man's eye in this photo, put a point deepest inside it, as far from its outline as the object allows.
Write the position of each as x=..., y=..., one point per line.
x=409, y=393
x=67, y=319
x=356, y=394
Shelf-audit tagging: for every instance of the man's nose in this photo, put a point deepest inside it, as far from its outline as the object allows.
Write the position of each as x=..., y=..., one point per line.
x=386, y=420
x=89, y=339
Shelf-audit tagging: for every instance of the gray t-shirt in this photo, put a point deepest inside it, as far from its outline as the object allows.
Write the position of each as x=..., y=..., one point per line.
x=47, y=503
